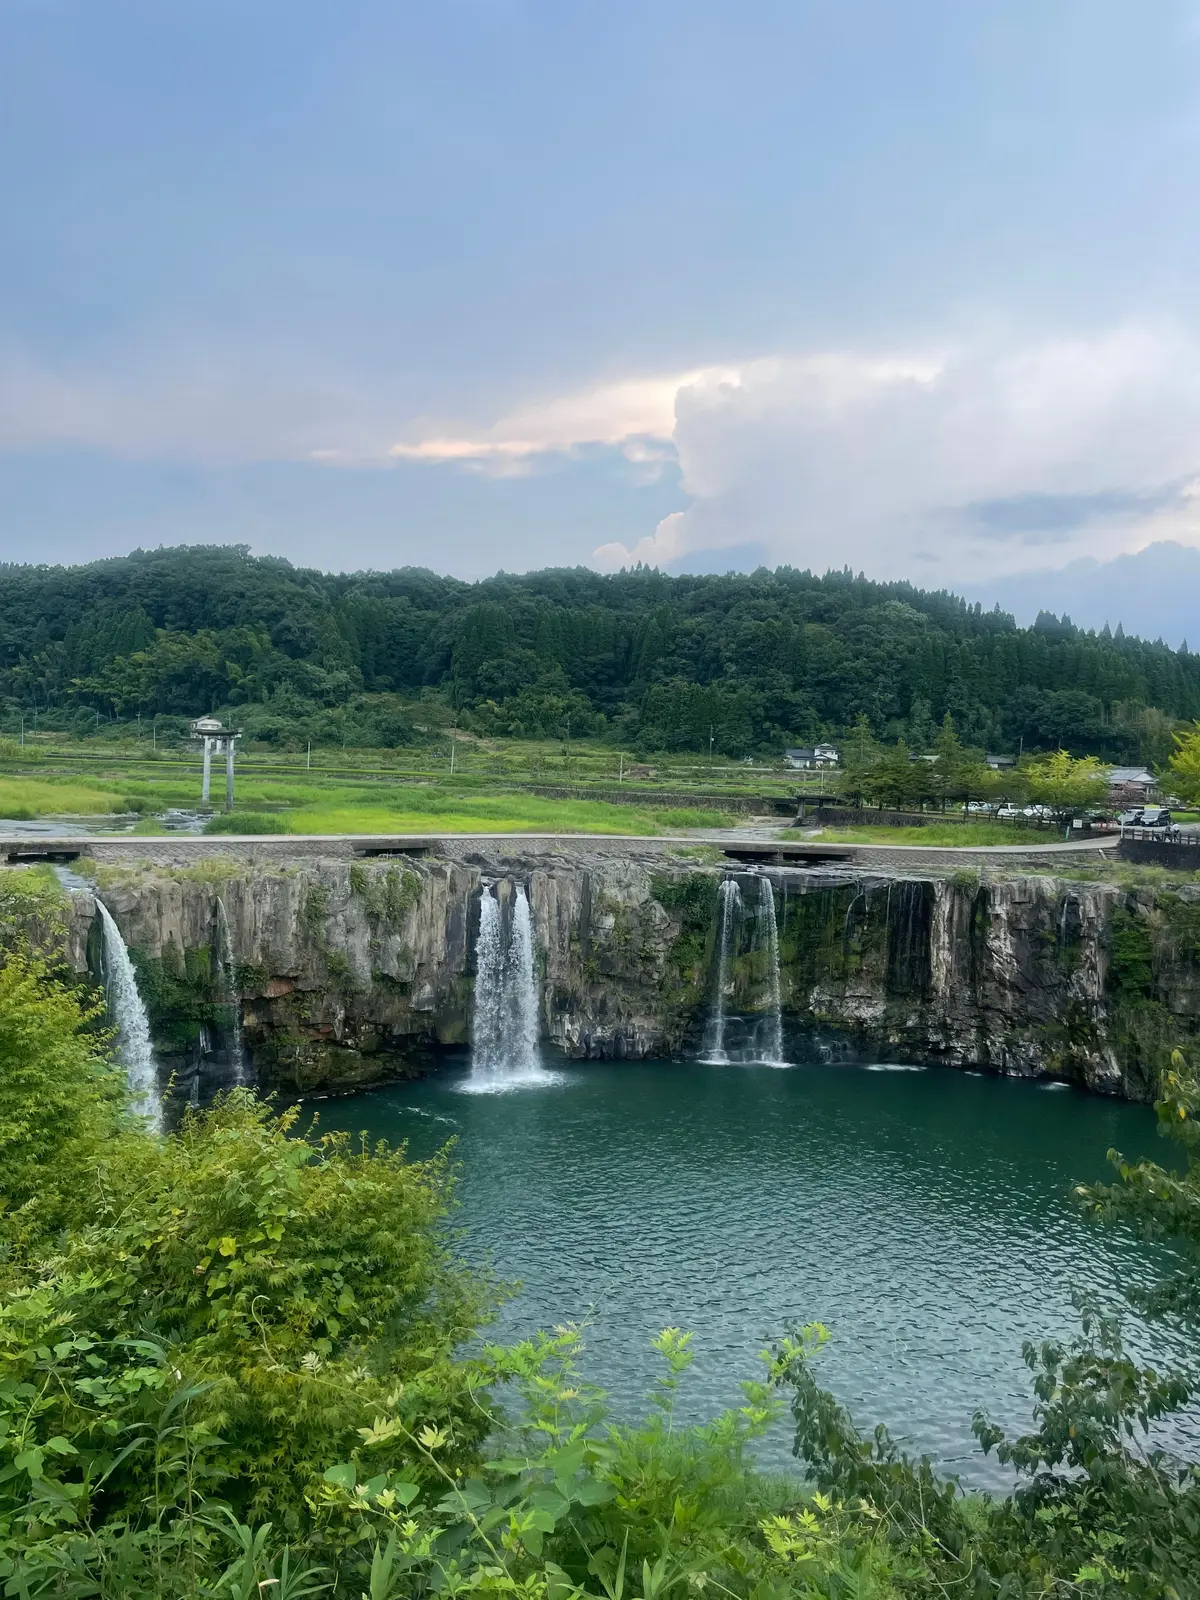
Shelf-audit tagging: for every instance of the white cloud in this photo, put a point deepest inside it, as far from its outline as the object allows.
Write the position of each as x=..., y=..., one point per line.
x=635, y=414
x=665, y=544
x=950, y=463
x=944, y=465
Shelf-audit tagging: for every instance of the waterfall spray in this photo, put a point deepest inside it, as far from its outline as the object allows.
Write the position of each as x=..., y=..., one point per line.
x=133, y=1026
x=505, y=1031
x=227, y=988
x=729, y=897
x=773, y=1054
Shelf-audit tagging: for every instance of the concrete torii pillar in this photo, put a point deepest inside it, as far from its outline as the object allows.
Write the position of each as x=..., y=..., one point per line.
x=222, y=741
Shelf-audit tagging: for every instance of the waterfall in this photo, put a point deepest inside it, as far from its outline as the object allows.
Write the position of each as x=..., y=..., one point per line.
x=505, y=1032
x=773, y=1054
x=133, y=1026
x=729, y=897
x=227, y=987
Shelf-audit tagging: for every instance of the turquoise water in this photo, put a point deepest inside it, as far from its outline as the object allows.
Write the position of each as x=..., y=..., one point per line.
x=922, y=1215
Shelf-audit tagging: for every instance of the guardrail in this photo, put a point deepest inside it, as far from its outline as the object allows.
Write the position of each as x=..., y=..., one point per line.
x=1175, y=848
x=1172, y=834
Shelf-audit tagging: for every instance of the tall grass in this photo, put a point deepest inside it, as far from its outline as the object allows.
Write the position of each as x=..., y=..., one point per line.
x=428, y=810
x=24, y=798
x=940, y=836
x=304, y=805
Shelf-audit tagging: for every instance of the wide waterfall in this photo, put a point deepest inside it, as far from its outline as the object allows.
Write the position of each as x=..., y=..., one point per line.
x=729, y=899
x=505, y=1033
x=772, y=1055
x=133, y=1026
x=228, y=992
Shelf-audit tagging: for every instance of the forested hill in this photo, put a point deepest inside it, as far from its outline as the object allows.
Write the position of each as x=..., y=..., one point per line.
x=762, y=660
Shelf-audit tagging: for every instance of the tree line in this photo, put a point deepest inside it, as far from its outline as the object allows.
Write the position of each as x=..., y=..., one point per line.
x=751, y=662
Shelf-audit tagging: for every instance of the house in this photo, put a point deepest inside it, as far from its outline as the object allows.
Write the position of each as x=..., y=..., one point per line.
x=1000, y=763
x=821, y=755
x=1131, y=783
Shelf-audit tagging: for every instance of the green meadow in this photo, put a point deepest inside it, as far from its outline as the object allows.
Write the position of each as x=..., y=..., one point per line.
x=304, y=803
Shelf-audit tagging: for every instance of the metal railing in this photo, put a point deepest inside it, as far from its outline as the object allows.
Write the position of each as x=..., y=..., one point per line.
x=1173, y=833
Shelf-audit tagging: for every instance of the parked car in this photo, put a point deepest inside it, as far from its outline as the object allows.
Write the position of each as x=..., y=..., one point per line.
x=1131, y=818
x=1008, y=813
x=1156, y=817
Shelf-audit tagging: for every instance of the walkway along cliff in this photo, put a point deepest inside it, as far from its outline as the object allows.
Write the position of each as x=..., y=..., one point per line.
x=328, y=973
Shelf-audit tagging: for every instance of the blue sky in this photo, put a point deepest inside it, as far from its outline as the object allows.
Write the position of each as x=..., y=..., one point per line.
x=497, y=284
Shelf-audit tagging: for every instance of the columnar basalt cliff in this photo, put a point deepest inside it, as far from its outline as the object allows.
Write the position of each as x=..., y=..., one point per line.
x=346, y=972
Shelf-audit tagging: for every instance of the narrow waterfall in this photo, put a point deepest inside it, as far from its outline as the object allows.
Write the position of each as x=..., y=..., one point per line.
x=228, y=990
x=505, y=1032
x=133, y=1026
x=772, y=1055
x=729, y=897
x=522, y=988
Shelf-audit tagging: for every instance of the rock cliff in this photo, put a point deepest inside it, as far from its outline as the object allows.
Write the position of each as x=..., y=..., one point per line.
x=346, y=972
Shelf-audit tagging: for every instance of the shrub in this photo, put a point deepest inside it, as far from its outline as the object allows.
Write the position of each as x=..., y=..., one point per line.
x=247, y=822
x=60, y=1102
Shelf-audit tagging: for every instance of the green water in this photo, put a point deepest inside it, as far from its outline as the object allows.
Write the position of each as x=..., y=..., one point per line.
x=922, y=1215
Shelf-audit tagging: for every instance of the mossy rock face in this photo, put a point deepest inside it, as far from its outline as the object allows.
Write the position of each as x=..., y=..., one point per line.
x=295, y=1060
x=181, y=993
x=845, y=935
x=691, y=902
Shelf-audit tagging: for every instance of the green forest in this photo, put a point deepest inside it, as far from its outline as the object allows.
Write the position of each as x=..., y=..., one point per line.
x=751, y=662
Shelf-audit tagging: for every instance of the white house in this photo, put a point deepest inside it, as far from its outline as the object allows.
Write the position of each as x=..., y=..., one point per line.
x=821, y=755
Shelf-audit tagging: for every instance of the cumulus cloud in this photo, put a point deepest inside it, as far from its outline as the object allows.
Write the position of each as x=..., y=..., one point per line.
x=942, y=464
x=951, y=462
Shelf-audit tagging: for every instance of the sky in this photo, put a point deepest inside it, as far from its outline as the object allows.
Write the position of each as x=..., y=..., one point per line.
x=500, y=284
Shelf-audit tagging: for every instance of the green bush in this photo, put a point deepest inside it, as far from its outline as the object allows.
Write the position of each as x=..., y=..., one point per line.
x=247, y=822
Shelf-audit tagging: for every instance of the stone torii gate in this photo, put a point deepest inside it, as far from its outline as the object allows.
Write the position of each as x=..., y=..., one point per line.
x=222, y=740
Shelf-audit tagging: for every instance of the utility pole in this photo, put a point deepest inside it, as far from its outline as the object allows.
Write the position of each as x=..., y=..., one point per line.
x=22, y=730
x=308, y=758
x=710, y=748
x=621, y=768
x=154, y=733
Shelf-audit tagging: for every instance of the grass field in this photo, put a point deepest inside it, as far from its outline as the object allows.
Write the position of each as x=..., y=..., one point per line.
x=304, y=804
x=430, y=810
x=26, y=798
x=943, y=835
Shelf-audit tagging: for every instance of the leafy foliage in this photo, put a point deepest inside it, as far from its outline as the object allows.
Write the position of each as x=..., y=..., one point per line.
x=1067, y=785
x=59, y=1102
x=1185, y=764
